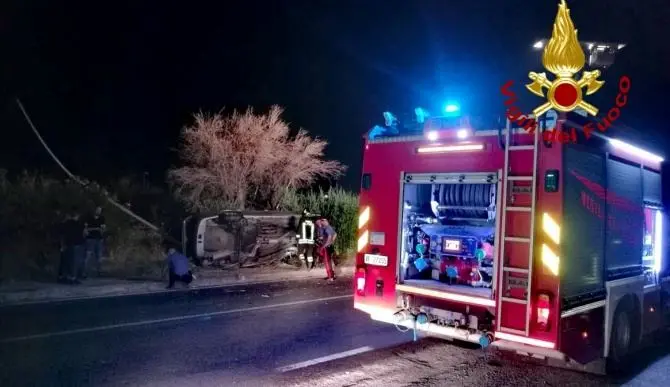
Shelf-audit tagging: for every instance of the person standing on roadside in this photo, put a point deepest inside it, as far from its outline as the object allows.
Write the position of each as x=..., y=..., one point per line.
x=95, y=231
x=327, y=236
x=306, y=236
x=73, y=246
x=64, y=261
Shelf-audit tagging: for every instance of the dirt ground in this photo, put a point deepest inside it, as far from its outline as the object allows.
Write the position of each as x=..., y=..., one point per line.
x=433, y=362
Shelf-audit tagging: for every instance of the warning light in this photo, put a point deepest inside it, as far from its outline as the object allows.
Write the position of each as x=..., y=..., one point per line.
x=543, y=309
x=452, y=109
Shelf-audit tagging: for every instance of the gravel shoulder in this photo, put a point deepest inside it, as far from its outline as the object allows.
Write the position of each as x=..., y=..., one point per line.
x=432, y=362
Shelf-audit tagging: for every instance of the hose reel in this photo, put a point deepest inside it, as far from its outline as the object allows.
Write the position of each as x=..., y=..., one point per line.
x=465, y=201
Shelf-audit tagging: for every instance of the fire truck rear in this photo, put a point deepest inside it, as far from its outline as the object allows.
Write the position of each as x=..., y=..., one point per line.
x=498, y=238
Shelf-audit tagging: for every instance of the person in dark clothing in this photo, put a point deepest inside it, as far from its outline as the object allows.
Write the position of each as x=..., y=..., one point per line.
x=64, y=264
x=327, y=237
x=73, y=246
x=95, y=229
x=178, y=266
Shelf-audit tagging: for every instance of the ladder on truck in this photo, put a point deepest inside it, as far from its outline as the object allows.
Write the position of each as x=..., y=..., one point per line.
x=521, y=271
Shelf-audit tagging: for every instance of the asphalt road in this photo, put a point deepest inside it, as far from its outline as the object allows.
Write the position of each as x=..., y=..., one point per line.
x=246, y=331
x=289, y=333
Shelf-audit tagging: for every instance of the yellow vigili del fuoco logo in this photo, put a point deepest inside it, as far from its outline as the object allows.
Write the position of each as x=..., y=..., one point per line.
x=563, y=56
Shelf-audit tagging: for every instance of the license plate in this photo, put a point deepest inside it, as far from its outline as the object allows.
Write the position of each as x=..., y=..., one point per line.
x=452, y=245
x=376, y=260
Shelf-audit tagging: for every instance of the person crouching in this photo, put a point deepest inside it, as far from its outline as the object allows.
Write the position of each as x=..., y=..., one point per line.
x=179, y=269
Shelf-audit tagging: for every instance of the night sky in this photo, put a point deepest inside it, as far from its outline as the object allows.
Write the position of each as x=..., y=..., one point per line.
x=110, y=84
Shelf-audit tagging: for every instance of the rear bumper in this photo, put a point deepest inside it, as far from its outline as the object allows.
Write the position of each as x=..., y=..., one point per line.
x=444, y=295
x=386, y=315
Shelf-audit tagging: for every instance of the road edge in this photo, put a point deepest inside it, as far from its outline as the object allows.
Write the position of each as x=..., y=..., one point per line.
x=346, y=272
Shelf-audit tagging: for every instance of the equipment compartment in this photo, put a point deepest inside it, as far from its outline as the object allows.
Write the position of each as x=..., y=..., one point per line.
x=448, y=233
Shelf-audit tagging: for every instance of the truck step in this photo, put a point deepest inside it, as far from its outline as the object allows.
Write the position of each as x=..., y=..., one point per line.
x=520, y=178
x=515, y=270
x=514, y=300
x=518, y=209
x=512, y=331
x=517, y=239
x=521, y=147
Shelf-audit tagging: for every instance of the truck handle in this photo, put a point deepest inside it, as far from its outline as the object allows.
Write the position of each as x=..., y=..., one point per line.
x=501, y=140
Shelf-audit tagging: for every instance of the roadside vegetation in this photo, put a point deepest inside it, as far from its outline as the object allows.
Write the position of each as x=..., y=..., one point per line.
x=338, y=205
x=244, y=160
x=31, y=207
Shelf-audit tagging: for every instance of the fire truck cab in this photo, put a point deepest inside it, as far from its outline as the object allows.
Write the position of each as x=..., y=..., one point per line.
x=499, y=238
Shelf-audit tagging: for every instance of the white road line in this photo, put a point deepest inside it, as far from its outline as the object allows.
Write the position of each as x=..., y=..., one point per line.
x=324, y=359
x=168, y=319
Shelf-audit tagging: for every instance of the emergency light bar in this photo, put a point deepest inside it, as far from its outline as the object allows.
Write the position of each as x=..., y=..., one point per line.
x=451, y=148
x=635, y=151
x=452, y=108
x=461, y=134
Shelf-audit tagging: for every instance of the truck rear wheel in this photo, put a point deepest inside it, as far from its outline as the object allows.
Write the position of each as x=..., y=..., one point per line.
x=623, y=336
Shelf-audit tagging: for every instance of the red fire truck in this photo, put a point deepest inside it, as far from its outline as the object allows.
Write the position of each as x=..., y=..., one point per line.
x=499, y=238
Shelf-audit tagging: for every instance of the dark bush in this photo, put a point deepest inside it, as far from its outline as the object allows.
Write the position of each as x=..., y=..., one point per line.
x=336, y=204
x=32, y=206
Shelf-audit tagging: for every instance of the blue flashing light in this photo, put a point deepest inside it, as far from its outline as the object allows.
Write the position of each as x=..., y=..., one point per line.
x=390, y=119
x=421, y=115
x=376, y=131
x=452, y=108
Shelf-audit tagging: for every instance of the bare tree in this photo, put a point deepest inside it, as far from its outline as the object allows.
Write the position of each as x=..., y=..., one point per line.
x=230, y=160
x=300, y=166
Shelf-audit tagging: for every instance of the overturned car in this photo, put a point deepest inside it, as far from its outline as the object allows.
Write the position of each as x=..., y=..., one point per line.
x=240, y=238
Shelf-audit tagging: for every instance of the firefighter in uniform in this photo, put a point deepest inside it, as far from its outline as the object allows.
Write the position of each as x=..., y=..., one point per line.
x=306, y=239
